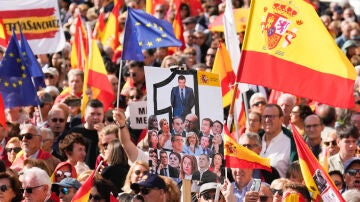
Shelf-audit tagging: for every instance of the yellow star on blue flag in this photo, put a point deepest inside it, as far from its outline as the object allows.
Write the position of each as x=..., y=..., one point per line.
x=140, y=27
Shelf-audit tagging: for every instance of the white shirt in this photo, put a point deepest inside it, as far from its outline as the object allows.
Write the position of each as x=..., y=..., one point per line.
x=278, y=151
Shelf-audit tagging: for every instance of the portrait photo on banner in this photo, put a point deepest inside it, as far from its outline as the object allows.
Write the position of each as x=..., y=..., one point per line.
x=185, y=122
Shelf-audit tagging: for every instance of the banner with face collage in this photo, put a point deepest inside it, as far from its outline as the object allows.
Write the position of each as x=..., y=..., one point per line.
x=185, y=117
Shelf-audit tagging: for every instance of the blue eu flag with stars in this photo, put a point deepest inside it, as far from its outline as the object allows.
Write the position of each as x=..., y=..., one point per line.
x=143, y=31
x=16, y=85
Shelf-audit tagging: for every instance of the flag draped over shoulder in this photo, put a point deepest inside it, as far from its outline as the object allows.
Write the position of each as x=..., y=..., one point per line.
x=316, y=179
x=143, y=31
x=287, y=48
x=237, y=156
x=16, y=85
x=31, y=63
x=222, y=66
x=4, y=37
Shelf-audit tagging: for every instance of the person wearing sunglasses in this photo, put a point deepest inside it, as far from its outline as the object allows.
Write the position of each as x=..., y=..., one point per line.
x=152, y=187
x=208, y=193
x=31, y=140
x=66, y=189
x=9, y=188
x=36, y=185
x=352, y=174
x=276, y=188
x=13, y=147
x=64, y=170
x=135, y=173
x=258, y=102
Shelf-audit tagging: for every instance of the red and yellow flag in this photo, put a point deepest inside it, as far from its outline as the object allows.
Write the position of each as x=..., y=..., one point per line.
x=241, y=16
x=294, y=197
x=316, y=178
x=178, y=31
x=79, y=50
x=222, y=66
x=95, y=78
x=111, y=31
x=237, y=156
x=99, y=27
x=4, y=36
x=287, y=48
x=82, y=195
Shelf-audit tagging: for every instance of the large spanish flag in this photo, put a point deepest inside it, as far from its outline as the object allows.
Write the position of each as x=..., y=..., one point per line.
x=316, y=178
x=287, y=48
x=237, y=156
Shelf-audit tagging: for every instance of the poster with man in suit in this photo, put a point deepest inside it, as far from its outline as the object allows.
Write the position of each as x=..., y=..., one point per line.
x=182, y=98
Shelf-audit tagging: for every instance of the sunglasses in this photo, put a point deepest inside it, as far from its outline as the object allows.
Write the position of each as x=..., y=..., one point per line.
x=274, y=191
x=353, y=172
x=49, y=76
x=3, y=188
x=95, y=197
x=138, y=172
x=63, y=190
x=133, y=97
x=66, y=174
x=330, y=143
x=143, y=191
x=263, y=198
x=15, y=149
x=29, y=190
x=58, y=120
x=27, y=136
x=259, y=103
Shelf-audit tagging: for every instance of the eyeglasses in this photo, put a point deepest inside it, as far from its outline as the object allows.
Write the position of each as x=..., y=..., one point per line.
x=15, y=149
x=58, y=120
x=27, y=136
x=133, y=97
x=274, y=191
x=259, y=103
x=138, y=172
x=269, y=116
x=95, y=197
x=29, y=190
x=63, y=190
x=143, y=191
x=250, y=146
x=3, y=188
x=65, y=174
x=330, y=143
x=312, y=126
x=353, y=172
x=49, y=76
x=263, y=198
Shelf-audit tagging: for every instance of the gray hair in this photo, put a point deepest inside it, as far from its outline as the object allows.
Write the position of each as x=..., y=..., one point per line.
x=30, y=126
x=257, y=95
x=252, y=136
x=287, y=96
x=48, y=131
x=39, y=175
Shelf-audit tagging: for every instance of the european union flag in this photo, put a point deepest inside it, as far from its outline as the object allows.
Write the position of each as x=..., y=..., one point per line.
x=32, y=65
x=15, y=82
x=143, y=31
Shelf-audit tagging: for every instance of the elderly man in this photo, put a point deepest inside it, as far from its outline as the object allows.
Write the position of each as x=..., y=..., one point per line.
x=352, y=174
x=286, y=102
x=347, y=139
x=36, y=185
x=313, y=127
x=66, y=189
x=275, y=135
x=75, y=82
x=191, y=123
x=258, y=102
x=151, y=187
x=31, y=140
x=94, y=117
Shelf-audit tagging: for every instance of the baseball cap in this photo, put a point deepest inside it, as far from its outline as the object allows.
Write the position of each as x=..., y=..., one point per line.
x=350, y=162
x=50, y=70
x=207, y=187
x=68, y=182
x=149, y=181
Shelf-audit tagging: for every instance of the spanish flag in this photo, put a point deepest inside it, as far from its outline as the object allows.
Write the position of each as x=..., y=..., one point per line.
x=99, y=27
x=95, y=79
x=178, y=31
x=111, y=31
x=288, y=48
x=222, y=66
x=237, y=156
x=79, y=48
x=316, y=178
x=4, y=36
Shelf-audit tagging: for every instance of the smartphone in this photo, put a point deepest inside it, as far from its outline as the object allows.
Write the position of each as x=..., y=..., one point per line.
x=255, y=185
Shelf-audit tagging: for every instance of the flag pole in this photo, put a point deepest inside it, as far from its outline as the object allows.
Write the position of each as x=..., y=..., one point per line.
x=231, y=110
x=119, y=84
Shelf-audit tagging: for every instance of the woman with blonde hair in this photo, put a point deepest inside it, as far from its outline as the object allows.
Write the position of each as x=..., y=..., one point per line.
x=169, y=61
x=13, y=147
x=192, y=146
x=135, y=173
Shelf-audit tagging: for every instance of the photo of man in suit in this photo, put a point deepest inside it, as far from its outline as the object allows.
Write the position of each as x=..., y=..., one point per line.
x=164, y=167
x=204, y=175
x=182, y=98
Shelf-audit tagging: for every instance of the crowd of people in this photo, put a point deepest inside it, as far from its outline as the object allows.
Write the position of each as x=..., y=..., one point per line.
x=47, y=153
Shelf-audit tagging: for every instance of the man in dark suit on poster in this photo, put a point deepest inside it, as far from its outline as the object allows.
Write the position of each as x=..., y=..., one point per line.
x=182, y=98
